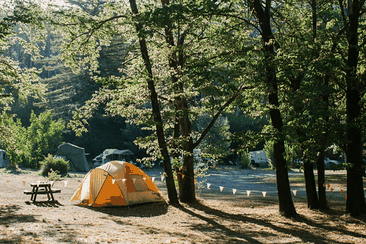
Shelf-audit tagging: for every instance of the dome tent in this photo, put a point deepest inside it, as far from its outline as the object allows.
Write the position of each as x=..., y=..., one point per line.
x=116, y=183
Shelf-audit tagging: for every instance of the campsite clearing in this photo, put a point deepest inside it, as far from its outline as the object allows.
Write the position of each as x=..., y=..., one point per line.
x=220, y=217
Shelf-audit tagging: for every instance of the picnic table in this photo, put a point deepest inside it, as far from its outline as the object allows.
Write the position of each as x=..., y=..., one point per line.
x=42, y=188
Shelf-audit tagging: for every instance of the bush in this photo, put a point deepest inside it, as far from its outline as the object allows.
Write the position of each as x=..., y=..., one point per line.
x=56, y=164
x=53, y=175
x=245, y=160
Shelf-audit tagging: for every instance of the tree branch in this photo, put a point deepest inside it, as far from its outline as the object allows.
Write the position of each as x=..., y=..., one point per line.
x=343, y=15
x=216, y=116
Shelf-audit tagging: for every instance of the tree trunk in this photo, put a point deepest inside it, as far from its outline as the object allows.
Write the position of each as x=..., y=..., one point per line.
x=355, y=192
x=321, y=181
x=188, y=191
x=322, y=202
x=286, y=206
x=172, y=192
x=310, y=186
x=186, y=177
x=175, y=153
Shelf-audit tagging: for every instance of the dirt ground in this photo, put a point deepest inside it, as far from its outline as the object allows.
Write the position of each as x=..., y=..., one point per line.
x=219, y=217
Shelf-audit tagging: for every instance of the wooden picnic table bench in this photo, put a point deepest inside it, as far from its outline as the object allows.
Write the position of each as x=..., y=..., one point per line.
x=42, y=188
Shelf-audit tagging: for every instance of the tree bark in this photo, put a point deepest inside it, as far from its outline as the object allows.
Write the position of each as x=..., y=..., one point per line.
x=310, y=186
x=174, y=152
x=172, y=192
x=187, y=191
x=355, y=193
x=286, y=206
x=321, y=180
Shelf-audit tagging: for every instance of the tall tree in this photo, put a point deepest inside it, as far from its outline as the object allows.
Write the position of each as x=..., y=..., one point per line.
x=355, y=86
x=177, y=55
x=155, y=108
x=16, y=80
x=263, y=14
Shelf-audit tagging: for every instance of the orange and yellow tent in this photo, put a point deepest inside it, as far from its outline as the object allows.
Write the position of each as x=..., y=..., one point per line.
x=116, y=183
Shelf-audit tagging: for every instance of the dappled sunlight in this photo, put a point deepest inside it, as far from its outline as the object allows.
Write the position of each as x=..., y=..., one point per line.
x=217, y=217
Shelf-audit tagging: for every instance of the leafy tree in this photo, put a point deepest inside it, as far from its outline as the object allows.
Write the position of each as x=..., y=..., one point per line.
x=323, y=117
x=160, y=88
x=13, y=139
x=44, y=135
x=28, y=146
x=263, y=14
x=355, y=87
x=16, y=80
x=186, y=59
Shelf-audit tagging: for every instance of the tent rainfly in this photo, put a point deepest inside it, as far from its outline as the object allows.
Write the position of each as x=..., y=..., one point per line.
x=75, y=155
x=116, y=183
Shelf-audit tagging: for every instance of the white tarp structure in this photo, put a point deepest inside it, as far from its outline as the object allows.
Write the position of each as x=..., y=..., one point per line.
x=4, y=162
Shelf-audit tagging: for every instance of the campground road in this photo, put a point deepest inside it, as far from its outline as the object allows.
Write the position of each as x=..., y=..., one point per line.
x=226, y=179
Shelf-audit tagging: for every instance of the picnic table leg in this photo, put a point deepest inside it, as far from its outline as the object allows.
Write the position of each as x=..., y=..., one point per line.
x=52, y=196
x=34, y=195
x=49, y=193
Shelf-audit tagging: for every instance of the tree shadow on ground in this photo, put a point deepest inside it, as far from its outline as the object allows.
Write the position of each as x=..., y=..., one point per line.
x=8, y=214
x=16, y=239
x=9, y=217
x=139, y=210
x=304, y=235
x=18, y=170
x=213, y=227
x=239, y=200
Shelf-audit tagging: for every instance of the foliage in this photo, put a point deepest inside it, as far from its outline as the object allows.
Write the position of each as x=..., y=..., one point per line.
x=52, y=166
x=130, y=99
x=27, y=146
x=217, y=142
x=14, y=139
x=17, y=81
x=44, y=135
x=244, y=159
x=268, y=148
x=54, y=175
x=202, y=175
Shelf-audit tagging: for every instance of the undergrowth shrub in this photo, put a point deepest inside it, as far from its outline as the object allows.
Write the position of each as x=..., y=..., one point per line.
x=245, y=160
x=54, y=175
x=56, y=164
